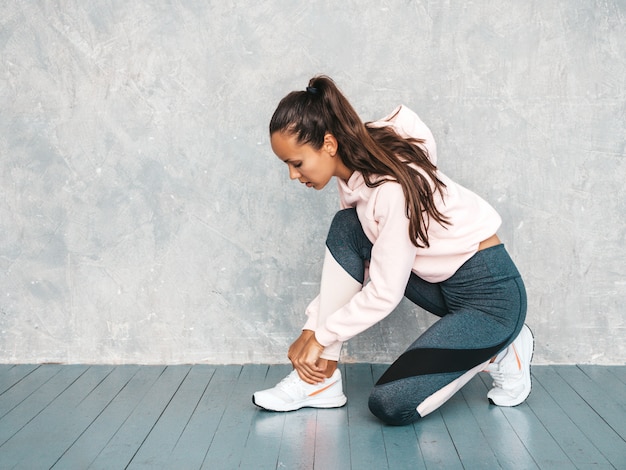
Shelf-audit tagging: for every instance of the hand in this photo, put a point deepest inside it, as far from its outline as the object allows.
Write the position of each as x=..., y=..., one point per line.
x=297, y=345
x=304, y=354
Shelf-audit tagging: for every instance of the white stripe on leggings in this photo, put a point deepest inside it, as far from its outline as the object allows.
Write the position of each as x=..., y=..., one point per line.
x=434, y=401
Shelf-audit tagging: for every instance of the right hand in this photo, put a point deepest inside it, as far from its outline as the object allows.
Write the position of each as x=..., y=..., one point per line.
x=298, y=354
x=298, y=344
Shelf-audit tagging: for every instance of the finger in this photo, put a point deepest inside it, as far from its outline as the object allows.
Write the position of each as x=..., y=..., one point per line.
x=306, y=376
x=315, y=375
x=309, y=372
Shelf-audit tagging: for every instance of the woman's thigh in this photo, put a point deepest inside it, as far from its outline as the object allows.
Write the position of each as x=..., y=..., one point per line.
x=426, y=295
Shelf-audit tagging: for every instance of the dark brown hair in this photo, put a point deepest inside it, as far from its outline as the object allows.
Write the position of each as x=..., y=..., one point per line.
x=378, y=153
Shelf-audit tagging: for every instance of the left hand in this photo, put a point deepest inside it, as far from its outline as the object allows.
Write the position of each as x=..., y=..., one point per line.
x=307, y=362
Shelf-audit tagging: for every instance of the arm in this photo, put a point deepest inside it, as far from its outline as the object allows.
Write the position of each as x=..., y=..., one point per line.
x=391, y=262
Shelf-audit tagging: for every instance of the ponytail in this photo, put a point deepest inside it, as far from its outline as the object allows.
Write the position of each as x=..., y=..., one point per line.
x=378, y=153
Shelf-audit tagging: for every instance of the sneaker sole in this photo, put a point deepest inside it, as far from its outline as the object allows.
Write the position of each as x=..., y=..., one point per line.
x=309, y=403
x=518, y=402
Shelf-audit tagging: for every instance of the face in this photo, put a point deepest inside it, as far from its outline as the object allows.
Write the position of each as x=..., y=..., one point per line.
x=311, y=167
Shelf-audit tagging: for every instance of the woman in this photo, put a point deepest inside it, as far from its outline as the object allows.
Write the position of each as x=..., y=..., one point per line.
x=405, y=229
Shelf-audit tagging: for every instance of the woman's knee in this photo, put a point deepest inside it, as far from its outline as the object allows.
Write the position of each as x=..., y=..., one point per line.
x=348, y=243
x=345, y=222
x=391, y=407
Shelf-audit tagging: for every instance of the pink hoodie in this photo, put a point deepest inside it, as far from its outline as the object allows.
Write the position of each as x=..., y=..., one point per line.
x=381, y=211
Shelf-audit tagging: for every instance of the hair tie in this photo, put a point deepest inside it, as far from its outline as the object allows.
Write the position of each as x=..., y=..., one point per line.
x=312, y=90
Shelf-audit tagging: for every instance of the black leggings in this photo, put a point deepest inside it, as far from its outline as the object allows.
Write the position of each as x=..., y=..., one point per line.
x=482, y=309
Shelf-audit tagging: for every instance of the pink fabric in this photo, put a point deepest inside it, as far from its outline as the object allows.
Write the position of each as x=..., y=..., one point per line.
x=381, y=211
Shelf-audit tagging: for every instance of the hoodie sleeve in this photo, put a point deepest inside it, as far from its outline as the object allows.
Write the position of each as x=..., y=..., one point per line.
x=392, y=258
x=312, y=313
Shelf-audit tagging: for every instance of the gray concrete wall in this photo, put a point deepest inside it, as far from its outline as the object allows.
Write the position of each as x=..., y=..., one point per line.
x=143, y=217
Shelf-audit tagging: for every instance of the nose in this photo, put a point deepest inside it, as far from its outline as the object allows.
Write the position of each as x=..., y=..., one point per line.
x=294, y=173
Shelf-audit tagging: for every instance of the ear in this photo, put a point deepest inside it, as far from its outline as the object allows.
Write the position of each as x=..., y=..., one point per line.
x=330, y=144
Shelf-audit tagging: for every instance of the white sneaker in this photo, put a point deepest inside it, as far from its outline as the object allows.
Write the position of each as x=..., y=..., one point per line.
x=292, y=393
x=511, y=371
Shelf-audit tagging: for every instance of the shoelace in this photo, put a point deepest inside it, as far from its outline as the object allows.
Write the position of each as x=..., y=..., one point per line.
x=498, y=377
x=291, y=382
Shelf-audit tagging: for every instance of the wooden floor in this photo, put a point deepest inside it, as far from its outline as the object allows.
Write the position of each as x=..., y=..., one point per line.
x=192, y=417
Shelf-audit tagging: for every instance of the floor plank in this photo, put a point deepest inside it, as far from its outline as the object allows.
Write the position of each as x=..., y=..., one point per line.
x=436, y=443
x=60, y=422
x=618, y=371
x=201, y=416
x=507, y=447
x=597, y=397
x=193, y=444
x=11, y=374
x=332, y=432
x=577, y=401
x=469, y=441
x=22, y=389
x=22, y=403
x=545, y=451
x=166, y=432
x=608, y=380
x=234, y=426
x=552, y=398
x=367, y=446
x=135, y=382
x=125, y=443
x=298, y=441
x=264, y=437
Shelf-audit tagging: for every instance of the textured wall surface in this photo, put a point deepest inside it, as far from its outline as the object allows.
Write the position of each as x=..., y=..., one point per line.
x=144, y=219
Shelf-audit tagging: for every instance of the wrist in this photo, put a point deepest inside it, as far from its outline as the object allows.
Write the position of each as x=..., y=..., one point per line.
x=316, y=343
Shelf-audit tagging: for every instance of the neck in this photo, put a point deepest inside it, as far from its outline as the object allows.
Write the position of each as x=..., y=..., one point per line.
x=343, y=172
